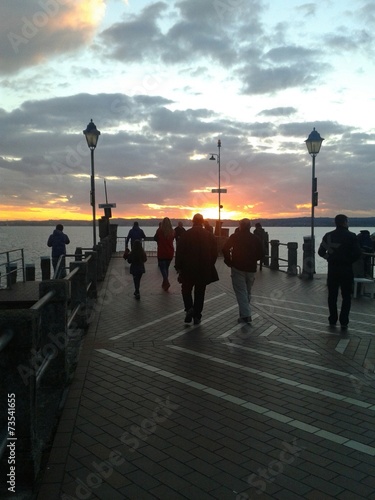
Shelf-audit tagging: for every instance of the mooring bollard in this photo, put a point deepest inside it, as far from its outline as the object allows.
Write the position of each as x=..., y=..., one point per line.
x=308, y=257
x=292, y=258
x=45, y=265
x=30, y=272
x=11, y=270
x=274, y=254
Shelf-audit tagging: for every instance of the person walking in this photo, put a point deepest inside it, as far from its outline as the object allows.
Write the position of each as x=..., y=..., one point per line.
x=137, y=258
x=58, y=241
x=135, y=233
x=341, y=249
x=241, y=252
x=196, y=254
x=164, y=237
x=261, y=233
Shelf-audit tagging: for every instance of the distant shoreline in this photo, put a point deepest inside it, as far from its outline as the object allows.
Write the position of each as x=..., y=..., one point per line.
x=291, y=222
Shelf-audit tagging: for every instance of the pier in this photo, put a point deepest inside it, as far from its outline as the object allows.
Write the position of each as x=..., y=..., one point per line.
x=281, y=408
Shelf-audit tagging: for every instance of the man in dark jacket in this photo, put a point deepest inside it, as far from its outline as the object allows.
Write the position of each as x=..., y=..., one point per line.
x=241, y=252
x=135, y=233
x=195, y=258
x=341, y=249
x=57, y=240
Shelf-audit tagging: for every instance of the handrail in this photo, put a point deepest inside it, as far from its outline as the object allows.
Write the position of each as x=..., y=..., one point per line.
x=43, y=300
x=9, y=274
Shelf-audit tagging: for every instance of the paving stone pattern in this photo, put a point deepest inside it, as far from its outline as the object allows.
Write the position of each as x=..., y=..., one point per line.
x=283, y=408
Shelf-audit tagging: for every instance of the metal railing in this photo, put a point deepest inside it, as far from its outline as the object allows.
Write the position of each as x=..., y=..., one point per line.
x=37, y=356
x=11, y=268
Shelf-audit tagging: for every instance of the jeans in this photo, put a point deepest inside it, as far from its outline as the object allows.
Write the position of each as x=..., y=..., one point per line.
x=242, y=281
x=164, y=267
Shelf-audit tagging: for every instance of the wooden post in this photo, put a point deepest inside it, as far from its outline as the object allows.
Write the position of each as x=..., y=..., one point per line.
x=45, y=265
x=292, y=258
x=275, y=255
x=30, y=272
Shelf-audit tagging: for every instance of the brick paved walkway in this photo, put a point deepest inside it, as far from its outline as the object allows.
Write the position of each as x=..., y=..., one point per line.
x=281, y=409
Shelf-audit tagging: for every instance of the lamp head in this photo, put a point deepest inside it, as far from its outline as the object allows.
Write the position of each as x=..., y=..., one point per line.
x=314, y=142
x=92, y=135
x=212, y=157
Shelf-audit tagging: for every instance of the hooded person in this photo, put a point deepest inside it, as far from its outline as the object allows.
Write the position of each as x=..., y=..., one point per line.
x=58, y=241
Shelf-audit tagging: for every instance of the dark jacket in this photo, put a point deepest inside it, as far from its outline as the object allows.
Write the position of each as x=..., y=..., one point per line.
x=242, y=251
x=135, y=233
x=136, y=262
x=341, y=248
x=57, y=241
x=196, y=254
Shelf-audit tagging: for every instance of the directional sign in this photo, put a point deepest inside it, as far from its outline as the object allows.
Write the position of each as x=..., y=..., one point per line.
x=107, y=205
x=218, y=190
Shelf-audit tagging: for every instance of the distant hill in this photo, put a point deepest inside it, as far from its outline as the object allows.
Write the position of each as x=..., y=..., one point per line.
x=291, y=222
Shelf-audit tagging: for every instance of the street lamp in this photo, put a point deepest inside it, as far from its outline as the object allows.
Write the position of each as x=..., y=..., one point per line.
x=92, y=137
x=219, y=190
x=313, y=144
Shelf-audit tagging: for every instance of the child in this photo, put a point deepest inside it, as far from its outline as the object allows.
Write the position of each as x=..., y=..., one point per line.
x=136, y=259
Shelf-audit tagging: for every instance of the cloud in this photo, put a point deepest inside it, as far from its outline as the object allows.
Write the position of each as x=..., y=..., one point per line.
x=36, y=30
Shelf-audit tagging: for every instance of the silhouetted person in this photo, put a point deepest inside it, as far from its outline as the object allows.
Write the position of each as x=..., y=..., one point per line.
x=196, y=254
x=341, y=249
x=135, y=233
x=57, y=240
x=261, y=233
x=241, y=252
x=179, y=230
x=137, y=259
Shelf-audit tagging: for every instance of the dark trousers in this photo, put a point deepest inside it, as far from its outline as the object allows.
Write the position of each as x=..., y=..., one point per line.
x=187, y=296
x=137, y=282
x=341, y=278
x=164, y=267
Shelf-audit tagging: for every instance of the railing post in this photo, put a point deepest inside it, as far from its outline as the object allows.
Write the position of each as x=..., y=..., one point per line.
x=308, y=257
x=11, y=270
x=30, y=272
x=78, y=296
x=274, y=255
x=292, y=258
x=18, y=371
x=113, y=236
x=92, y=272
x=100, y=268
x=266, y=243
x=54, y=318
x=45, y=265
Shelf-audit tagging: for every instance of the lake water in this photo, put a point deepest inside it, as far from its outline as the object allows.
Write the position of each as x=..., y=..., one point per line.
x=33, y=239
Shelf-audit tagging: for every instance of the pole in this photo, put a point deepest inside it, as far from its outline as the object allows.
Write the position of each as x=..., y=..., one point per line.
x=93, y=198
x=218, y=161
x=312, y=218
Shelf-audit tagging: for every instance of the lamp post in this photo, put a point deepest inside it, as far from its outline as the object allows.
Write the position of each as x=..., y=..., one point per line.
x=219, y=190
x=92, y=137
x=313, y=144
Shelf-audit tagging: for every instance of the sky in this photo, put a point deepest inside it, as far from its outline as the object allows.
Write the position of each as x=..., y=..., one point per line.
x=163, y=81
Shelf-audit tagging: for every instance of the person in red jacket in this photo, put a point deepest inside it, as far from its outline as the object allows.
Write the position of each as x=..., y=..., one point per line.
x=164, y=237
